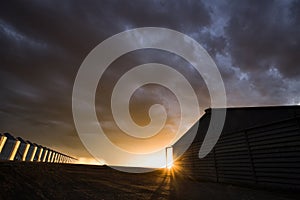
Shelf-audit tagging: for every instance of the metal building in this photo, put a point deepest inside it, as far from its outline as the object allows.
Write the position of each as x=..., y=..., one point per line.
x=259, y=146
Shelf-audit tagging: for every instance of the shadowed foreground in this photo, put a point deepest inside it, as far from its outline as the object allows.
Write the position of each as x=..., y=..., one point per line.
x=20, y=180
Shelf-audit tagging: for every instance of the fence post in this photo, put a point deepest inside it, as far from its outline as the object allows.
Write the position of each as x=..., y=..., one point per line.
x=40, y=154
x=25, y=151
x=33, y=153
x=2, y=141
x=15, y=150
x=45, y=155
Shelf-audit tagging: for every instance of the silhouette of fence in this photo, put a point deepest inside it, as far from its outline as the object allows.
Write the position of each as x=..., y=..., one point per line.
x=12, y=148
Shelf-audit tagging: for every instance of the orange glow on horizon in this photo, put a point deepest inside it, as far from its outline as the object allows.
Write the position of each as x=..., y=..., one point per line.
x=162, y=160
x=88, y=161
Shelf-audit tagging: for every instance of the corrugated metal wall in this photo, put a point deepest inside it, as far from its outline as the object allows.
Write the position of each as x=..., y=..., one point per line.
x=266, y=156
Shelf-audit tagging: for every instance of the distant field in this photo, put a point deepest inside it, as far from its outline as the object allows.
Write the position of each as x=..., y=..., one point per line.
x=20, y=180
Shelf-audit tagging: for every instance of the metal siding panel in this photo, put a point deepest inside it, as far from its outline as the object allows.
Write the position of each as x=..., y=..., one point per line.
x=265, y=155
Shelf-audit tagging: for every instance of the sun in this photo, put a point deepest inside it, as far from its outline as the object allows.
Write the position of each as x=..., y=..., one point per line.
x=170, y=165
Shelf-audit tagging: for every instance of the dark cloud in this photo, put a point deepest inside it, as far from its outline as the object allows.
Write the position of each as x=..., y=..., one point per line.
x=263, y=35
x=263, y=45
x=44, y=43
x=255, y=44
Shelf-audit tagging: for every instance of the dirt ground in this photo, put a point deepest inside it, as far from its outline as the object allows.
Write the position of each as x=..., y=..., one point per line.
x=67, y=181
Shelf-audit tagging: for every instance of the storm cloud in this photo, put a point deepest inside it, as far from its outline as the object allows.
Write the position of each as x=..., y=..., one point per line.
x=255, y=44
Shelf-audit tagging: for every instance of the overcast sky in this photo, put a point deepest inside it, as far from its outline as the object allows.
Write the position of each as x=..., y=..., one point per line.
x=255, y=44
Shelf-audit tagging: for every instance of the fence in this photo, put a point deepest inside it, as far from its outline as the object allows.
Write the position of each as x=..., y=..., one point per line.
x=265, y=156
x=12, y=148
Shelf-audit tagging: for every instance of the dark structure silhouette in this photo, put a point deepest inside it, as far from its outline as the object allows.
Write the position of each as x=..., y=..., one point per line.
x=259, y=146
x=12, y=148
